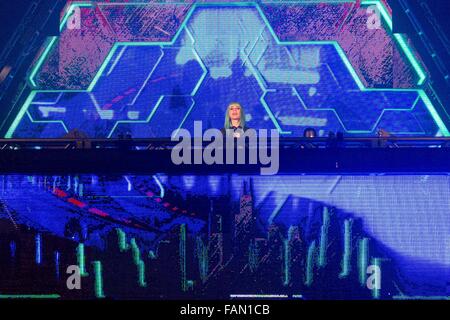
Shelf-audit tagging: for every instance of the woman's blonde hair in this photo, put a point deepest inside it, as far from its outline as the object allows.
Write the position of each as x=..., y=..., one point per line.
x=227, y=124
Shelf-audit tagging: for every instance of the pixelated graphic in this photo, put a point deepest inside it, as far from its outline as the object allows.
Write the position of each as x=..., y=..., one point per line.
x=151, y=81
x=95, y=204
x=184, y=236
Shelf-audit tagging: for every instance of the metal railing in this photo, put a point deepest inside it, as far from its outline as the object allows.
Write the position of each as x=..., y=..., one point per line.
x=167, y=143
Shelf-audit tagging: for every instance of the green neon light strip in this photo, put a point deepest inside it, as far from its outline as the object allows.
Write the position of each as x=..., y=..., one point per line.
x=122, y=240
x=310, y=264
x=47, y=121
x=199, y=60
x=161, y=187
x=138, y=262
x=378, y=3
x=98, y=279
x=20, y=115
x=376, y=292
x=308, y=1
x=41, y=60
x=412, y=59
x=287, y=258
x=136, y=251
x=428, y=104
x=103, y=66
x=345, y=264
x=141, y=274
x=185, y=117
x=363, y=258
x=324, y=238
x=149, y=76
x=182, y=253
x=434, y=113
x=30, y=296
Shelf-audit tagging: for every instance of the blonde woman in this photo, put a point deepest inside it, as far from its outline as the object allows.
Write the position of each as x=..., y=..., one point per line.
x=235, y=119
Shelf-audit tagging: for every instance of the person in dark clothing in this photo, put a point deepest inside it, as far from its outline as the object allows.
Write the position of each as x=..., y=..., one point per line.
x=309, y=134
x=235, y=129
x=234, y=120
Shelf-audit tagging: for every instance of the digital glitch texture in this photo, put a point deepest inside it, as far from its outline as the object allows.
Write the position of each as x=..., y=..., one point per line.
x=150, y=68
x=189, y=236
x=327, y=70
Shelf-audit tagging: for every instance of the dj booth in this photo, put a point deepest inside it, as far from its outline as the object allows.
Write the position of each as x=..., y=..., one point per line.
x=296, y=156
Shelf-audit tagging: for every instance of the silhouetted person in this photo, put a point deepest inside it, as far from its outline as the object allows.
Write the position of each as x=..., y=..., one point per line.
x=82, y=139
x=331, y=140
x=382, y=141
x=125, y=141
x=310, y=134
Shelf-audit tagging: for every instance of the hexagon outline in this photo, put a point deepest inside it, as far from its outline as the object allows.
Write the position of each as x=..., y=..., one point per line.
x=404, y=46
